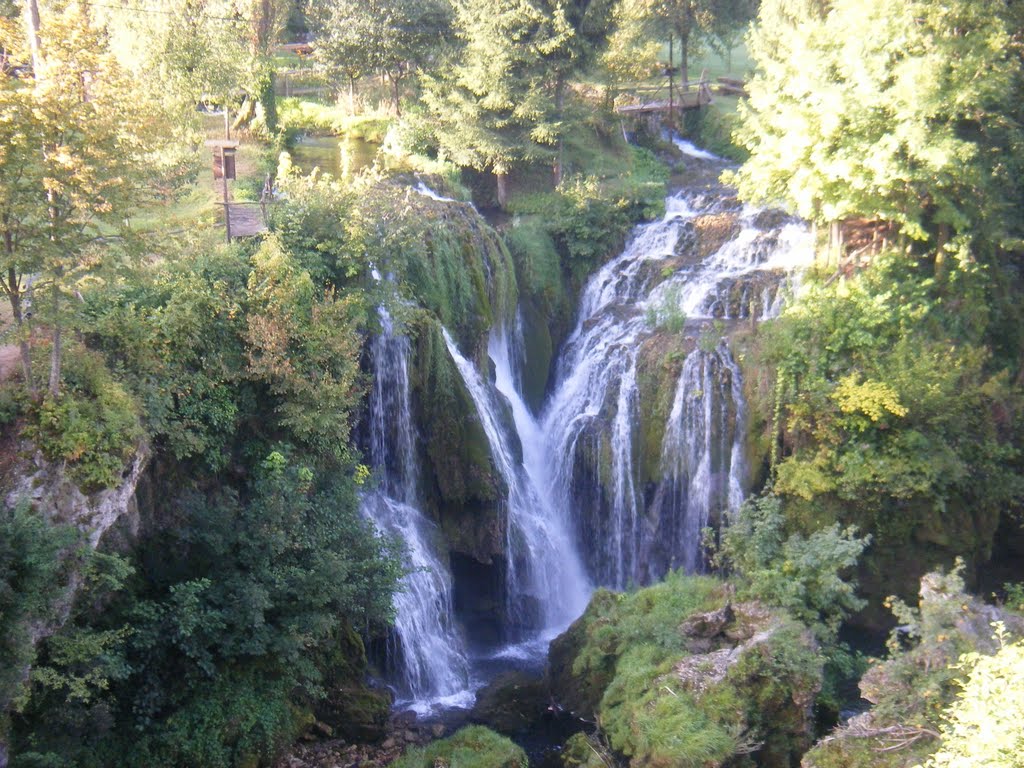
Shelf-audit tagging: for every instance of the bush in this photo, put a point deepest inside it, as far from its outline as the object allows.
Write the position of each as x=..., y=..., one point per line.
x=32, y=576
x=471, y=747
x=983, y=728
x=808, y=576
x=93, y=426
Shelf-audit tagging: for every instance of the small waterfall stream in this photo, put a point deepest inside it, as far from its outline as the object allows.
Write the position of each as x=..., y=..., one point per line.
x=627, y=533
x=430, y=654
x=545, y=584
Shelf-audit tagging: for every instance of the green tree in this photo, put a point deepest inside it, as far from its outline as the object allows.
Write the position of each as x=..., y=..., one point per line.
x=690, y=23
x=589, y=24
x=889, y=111
x=304, y=347
x=492, y=107
x=33, y=574
x=82, y=151
x=395, y=37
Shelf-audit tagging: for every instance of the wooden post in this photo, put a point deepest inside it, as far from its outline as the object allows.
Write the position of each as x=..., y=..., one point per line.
x=671, y=102
x=224, y=179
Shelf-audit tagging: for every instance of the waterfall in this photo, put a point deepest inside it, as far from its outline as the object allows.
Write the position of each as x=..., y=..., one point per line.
x=431, y=657
x=545, y=584
x=629, y=533
x=701, y=456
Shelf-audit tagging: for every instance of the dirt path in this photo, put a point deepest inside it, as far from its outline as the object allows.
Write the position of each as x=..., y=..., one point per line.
x=10, y=361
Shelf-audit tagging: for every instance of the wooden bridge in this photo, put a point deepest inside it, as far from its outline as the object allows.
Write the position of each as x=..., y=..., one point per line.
x=646, y=101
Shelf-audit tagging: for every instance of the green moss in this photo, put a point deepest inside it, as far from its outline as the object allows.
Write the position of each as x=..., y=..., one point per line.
x=464, y=487
x=666, y=695
x=471, y=747
x=446, y=258
x=660, y=361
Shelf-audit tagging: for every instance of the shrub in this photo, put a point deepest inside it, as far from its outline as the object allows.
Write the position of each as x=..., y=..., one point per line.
x=471, y=747
x=93, y=426
x=31, y=578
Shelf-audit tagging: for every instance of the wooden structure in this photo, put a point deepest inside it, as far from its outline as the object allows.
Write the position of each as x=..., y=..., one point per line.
x=667, y=100
x=245, y=219
x=241, y=219
x=732, y=87
x=224, y=168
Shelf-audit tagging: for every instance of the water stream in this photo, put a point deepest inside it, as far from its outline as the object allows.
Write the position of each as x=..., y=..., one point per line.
x=545, y=583
x=426, y=649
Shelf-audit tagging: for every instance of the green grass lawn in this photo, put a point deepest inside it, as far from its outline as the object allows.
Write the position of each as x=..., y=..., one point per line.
x=738, y=65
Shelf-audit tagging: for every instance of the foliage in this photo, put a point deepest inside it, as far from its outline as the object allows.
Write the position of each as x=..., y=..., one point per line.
x=983, y=727
x=312, y=118
x=177, y=331
x=491, y=108
x=33, y=570
x=899, y=112
x=667, y=314
x=209, y=658
x=305, y=349
x=803, y=575
x=83, y=147
x=93, y=427
x=471, y=747
x=588, y=226
x=393, y=36
x=692, y=24
x=890, y=415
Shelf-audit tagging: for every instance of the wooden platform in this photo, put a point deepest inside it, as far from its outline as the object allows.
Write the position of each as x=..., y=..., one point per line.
x=685, y=100
x=246, y=219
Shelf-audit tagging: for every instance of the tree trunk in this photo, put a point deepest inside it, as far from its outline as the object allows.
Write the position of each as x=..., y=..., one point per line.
x=32, y=28
x=396, y=97
x=56, y=354
x=835, y=242
x=501, y=177
x=684, y=63
x=13, y=290
x=559, y=110
x=351, y=95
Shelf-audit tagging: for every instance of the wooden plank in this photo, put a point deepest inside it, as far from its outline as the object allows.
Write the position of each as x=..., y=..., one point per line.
x=246, y=220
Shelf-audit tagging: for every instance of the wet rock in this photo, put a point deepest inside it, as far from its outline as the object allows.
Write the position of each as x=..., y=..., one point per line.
x=511, y=703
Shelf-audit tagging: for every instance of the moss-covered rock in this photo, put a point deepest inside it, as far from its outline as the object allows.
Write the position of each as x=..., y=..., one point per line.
x=447, y=259
x=464, y=490
x=921, y=677
x=351, y=709
x=657, y=372
x=471, y=747
x=679, y=676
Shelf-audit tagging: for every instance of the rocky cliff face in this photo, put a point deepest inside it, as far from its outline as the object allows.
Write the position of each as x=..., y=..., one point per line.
x=50, y=491
x=55, y=495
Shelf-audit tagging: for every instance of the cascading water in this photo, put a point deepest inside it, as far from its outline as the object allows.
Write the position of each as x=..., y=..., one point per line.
x=431, y=658
x=628, y=531
x=702, y=468
x=545, y=583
